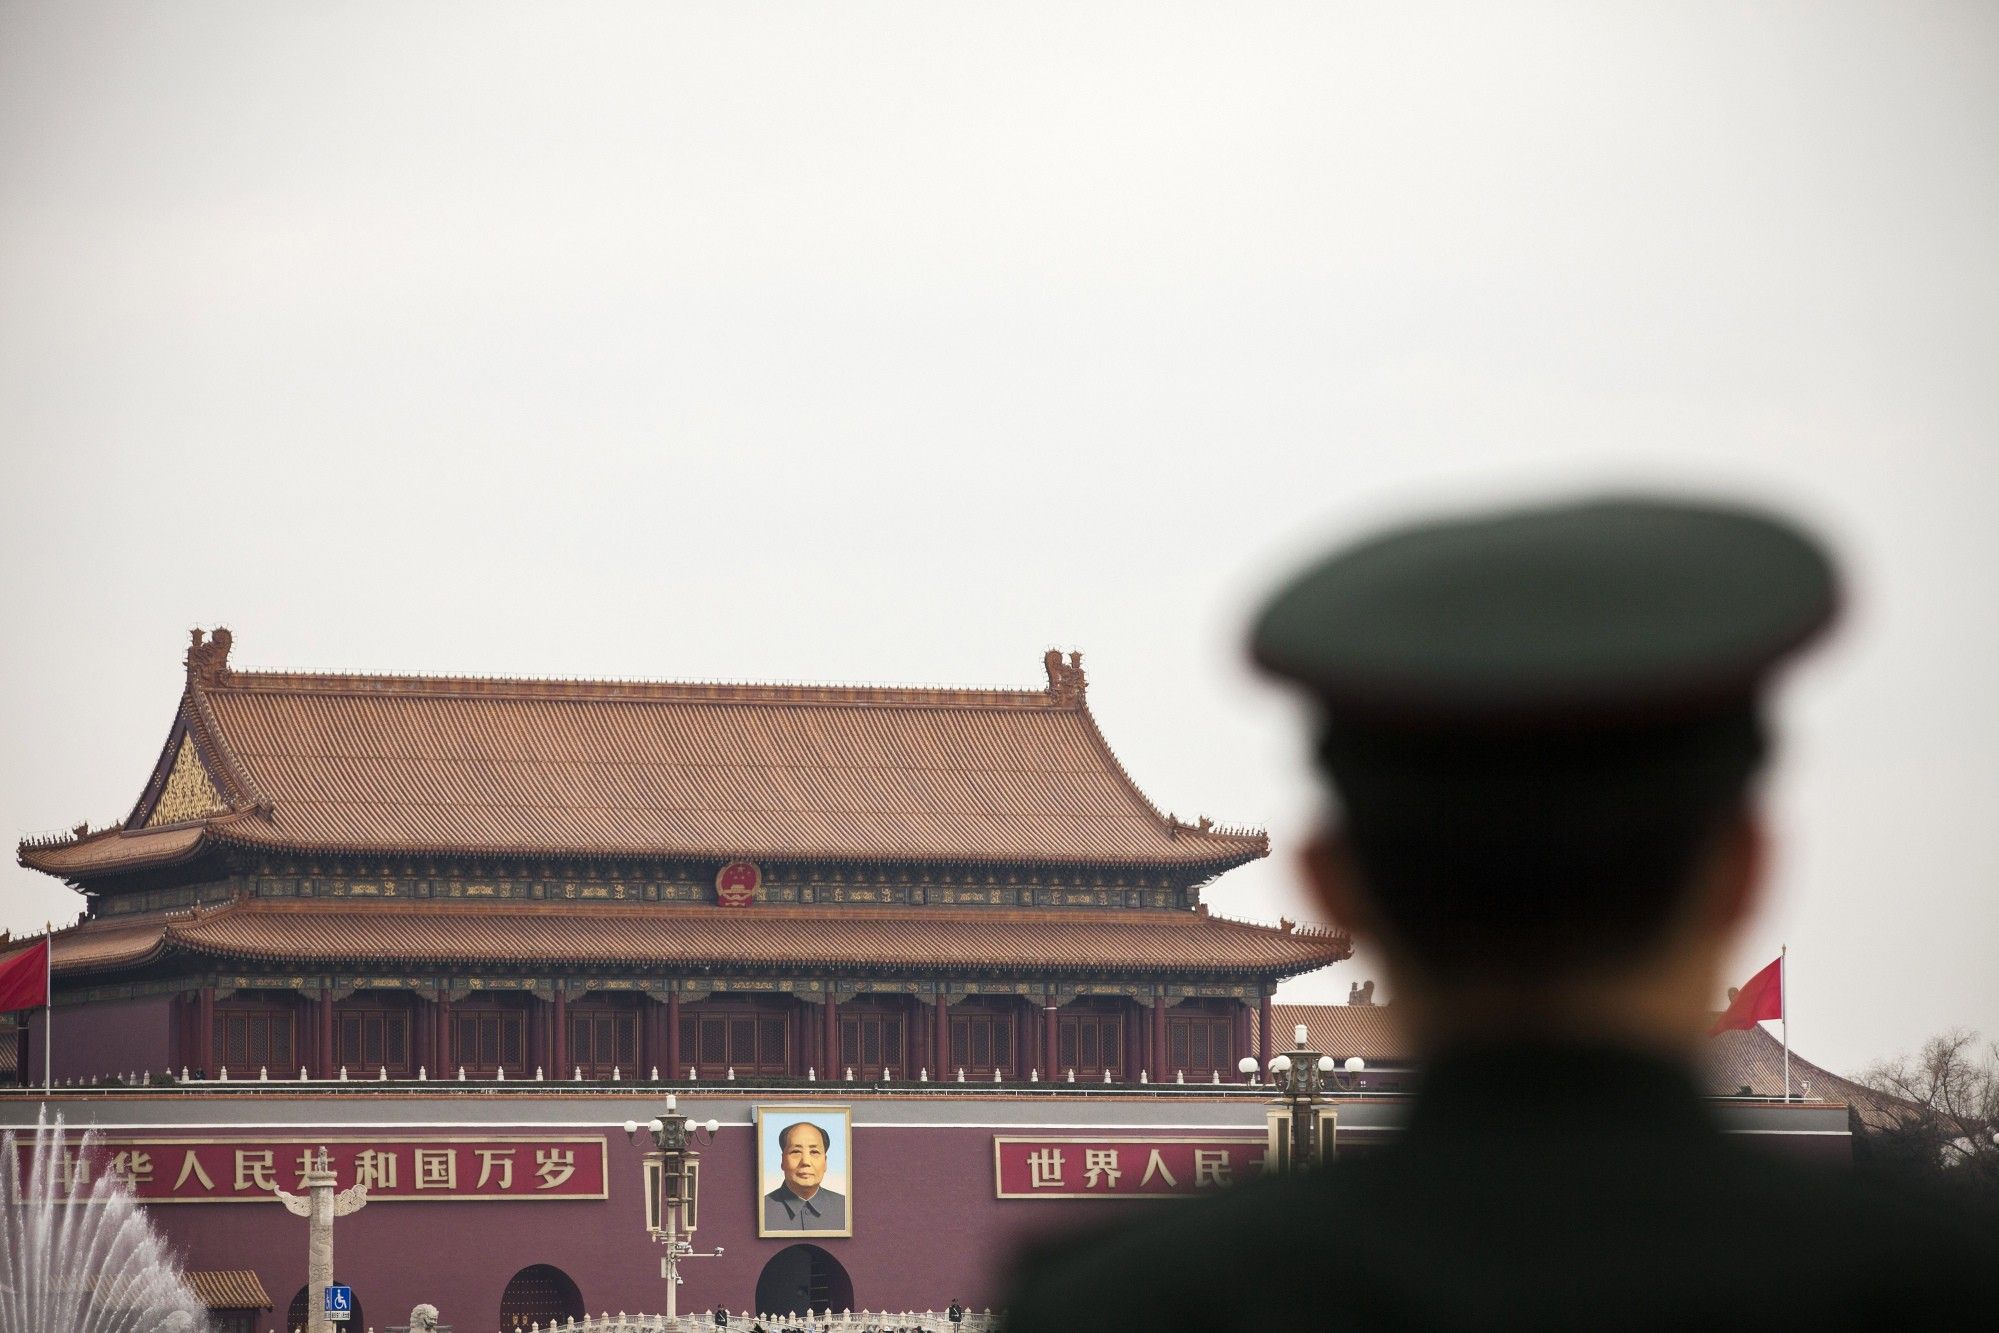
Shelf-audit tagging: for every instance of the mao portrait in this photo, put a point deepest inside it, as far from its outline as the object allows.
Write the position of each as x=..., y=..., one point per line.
x=805, y=1170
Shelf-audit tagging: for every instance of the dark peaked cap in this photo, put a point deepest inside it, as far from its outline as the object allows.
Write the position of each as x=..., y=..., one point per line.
x=1606, y=611
x=1534, y=718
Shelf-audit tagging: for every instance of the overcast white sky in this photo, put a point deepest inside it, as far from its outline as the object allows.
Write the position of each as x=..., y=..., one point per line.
x=900, y=342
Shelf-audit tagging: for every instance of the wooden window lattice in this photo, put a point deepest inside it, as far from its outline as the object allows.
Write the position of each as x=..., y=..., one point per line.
x=1090, y=1044
x=1201, y=1044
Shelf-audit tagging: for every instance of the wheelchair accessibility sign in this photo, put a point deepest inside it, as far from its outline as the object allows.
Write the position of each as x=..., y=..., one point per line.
x=339, y=1303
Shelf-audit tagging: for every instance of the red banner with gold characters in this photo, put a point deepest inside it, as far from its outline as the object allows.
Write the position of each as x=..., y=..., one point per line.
x=1122, y=1168
x=176, y=1170
x=736, y=883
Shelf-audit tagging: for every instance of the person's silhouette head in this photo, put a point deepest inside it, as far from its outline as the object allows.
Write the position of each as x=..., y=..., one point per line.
x=1542, y=727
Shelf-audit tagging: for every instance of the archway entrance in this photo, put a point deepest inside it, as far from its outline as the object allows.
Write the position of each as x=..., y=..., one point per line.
x=541, y=1294
x=804, y=1277
x=295, y=1316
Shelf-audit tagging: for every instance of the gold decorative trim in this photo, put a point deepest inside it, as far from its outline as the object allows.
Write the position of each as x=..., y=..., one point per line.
x=189, y=792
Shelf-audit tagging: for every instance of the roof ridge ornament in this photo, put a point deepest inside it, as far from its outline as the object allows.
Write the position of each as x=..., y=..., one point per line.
x=207, y=661
x=1066, y=681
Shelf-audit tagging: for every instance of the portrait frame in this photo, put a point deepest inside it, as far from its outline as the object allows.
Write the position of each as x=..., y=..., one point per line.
x=836, y=1124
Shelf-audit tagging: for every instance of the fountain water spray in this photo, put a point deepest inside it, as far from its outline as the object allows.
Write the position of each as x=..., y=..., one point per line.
x=76, y=1251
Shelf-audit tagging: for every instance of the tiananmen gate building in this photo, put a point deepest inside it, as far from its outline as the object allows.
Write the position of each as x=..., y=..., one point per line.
x=456, y=931
x=407, y=873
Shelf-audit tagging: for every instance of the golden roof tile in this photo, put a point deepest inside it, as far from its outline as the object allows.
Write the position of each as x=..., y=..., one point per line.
x=390, y=764
x=566, y=934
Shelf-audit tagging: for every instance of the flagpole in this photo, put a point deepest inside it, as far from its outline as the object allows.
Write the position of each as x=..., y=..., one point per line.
x=48, y=1002
x=1784, y=991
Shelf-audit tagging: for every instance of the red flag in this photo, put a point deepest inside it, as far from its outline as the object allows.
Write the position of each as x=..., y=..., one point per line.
x=24, y=978
x=1760, y=998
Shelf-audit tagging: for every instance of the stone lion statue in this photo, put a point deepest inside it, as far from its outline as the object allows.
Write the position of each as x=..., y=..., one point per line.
x=423, y=1319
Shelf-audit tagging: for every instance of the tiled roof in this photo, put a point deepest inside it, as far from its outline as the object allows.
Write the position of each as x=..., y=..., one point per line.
x=229, y=1289
x=1725, y=1063
x=116, y=942
x=1341, y=1030
x=114, y=850
x=961, y=940
x=1752, y=1058
x=366, y=764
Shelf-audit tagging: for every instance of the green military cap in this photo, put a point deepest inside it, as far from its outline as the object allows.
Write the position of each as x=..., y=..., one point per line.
x=1619, y=608
x=1535, y=718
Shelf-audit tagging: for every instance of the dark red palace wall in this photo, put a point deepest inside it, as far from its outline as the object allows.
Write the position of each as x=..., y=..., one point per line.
x=928, y=1225
x=926, y=1228
x=97, y=1041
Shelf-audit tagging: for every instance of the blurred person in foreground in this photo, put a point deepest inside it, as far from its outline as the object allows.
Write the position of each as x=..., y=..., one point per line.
x=1544, y=729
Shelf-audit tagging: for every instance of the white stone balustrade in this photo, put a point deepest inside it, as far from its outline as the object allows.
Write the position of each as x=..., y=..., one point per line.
x=703, y=1321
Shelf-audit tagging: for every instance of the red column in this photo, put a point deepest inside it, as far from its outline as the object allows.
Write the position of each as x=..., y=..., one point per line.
x=204, y=1032
x=447, y=1055
x=1159, y=1060
x=910, y=1058
x=798, y=1050
x=1048, y=1051
x=943, y=1020
x=423, y=1027
x=323, y=1052
x=674, y=1064
x=647, y=1021
x=559, y=1041
x=1022, y=1053
x=1264, y=1050
x=832, y=1037
x=1240, y=1036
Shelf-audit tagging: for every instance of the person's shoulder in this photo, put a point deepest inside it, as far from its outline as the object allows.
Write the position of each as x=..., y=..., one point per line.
x=1725, y=1229
x=1899, y=1227
x=1139, y=1274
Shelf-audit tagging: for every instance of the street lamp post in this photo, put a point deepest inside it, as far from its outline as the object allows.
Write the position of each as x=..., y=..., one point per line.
x=674, y=1205
x=1301, y=1117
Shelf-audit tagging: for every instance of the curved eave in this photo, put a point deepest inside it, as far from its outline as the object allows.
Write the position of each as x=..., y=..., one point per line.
x=115, y=852
x=95, y=948
x=1214, y=855
x=778, y=939
x=1255, y=841
x=122, y=851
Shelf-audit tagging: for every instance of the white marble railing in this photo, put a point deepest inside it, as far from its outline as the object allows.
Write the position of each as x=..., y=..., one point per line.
x=849, y=1321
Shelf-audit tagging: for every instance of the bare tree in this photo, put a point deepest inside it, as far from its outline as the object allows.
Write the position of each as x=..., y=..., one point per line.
x=1938, y=1113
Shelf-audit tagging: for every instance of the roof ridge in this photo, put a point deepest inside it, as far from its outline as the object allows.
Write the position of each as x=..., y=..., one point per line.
x=212, y=744
x=614, y=689
x=208, y=666
x=1285, y=924
x=69, y=837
